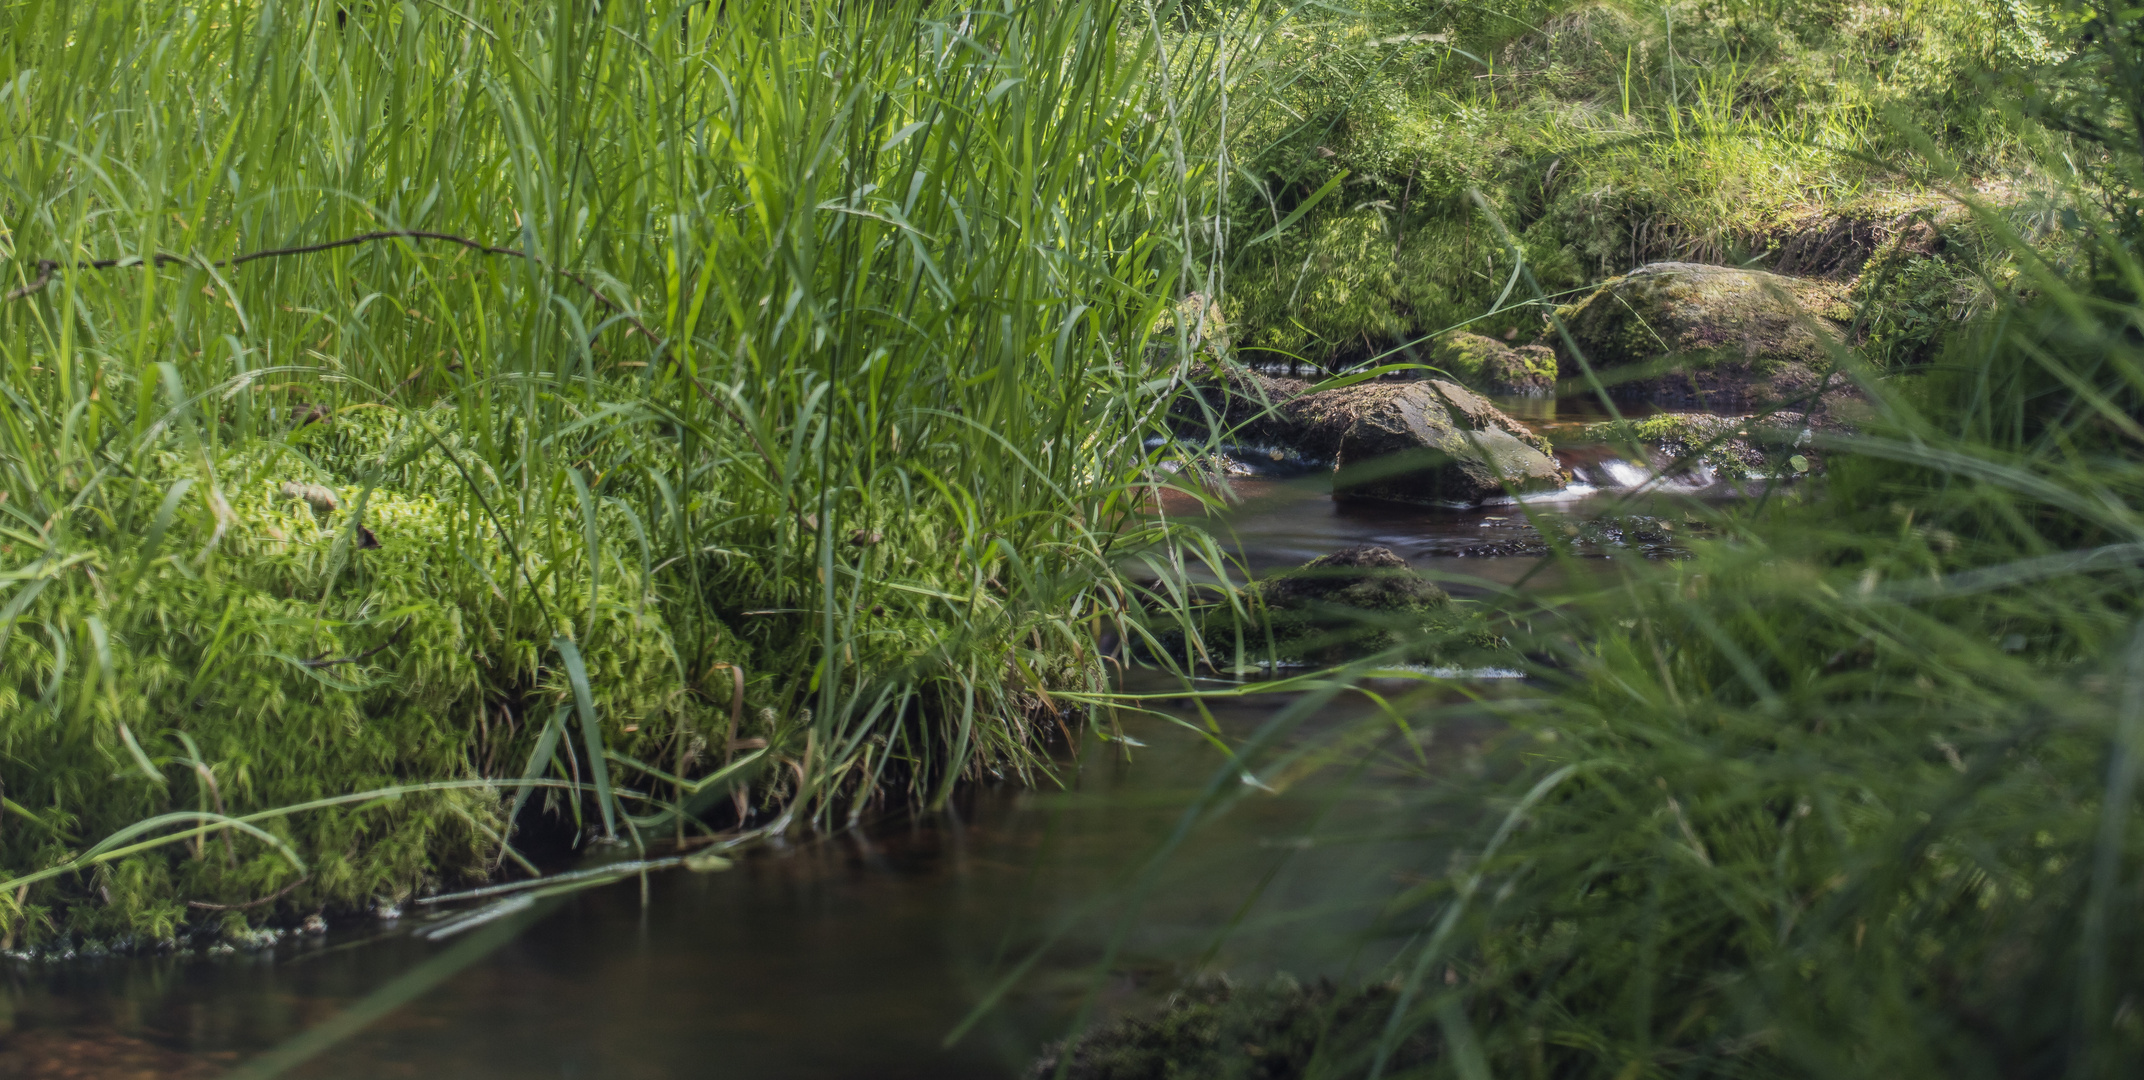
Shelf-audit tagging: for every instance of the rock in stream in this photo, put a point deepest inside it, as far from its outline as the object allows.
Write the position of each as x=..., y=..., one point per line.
x=1687, y=333
x=1429, y=442
x=1355, y=602
x=1492, y=367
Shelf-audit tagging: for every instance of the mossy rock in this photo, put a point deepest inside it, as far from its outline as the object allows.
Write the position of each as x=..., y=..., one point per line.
x=1429, y=442
x=1492, y=367
x=1693, y=441
x=1714, y=335
x=1216, y=1031
x=1355, y=602
x=1438, y=443
x=290, y=640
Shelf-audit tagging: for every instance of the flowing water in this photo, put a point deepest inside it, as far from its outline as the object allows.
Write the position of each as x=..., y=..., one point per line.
x=851, y=955
x=856, y=954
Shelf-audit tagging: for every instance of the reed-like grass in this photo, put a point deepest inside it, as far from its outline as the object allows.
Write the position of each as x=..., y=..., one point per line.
x=1850, y=790
x=757, y=386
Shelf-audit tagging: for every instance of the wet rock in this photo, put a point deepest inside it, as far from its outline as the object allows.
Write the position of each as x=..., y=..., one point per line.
x=1355, y=602
x=1430, y=441
x=1712, y=335
x=1716, y=447
x=1492, y=367
x=1364, y=577
x=1436, y=442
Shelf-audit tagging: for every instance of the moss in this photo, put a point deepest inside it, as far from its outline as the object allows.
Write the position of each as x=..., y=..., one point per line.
x=1584, y=131
x=1217, y=1031
x=263, y=653
x=1361, y=601
x=1492, y=367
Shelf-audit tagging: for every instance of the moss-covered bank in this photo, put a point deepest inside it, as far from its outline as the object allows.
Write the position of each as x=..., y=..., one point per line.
x=587, y=438
x=1606, y=136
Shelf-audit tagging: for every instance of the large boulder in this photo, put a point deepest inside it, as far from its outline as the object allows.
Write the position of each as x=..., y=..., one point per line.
x=1686, y=333
x=1492, y=367
x=1430, y=441
x=1435, y=442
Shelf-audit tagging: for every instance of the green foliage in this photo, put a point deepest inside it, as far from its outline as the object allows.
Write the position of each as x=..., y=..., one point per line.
x=1852, y=789
x=1907, y=317
x=1216, y=1031
x=1606, y=135
x=799, y=399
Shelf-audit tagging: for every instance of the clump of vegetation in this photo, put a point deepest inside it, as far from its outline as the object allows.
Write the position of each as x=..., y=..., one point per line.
x=1215, y=1030
x=1852, y=788
x=727, y=418
x=1609, y=135
x=1492, y=367
x=1357, y=601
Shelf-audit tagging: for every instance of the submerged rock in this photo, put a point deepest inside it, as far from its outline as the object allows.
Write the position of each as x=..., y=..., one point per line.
x=1355, y=602
x=1431, y=441
x=1216, y=1031
x=1492, y=367
x=1366, y=576
x=1715, y=335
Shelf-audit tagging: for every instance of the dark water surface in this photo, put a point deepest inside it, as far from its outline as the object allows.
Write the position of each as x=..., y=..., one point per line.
x=851, y=955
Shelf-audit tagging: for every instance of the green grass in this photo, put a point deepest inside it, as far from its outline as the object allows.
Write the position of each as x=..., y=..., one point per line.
x=797, y=423
x=1608, y=134
x=1849, y=791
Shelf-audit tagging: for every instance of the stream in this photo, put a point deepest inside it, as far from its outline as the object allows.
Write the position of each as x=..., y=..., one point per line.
x=855, y=954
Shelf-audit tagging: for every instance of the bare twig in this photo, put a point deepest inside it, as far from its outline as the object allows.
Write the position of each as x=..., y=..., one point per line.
x=321, y=661
x=276, y=895
x=44, y=274
x=47, y=267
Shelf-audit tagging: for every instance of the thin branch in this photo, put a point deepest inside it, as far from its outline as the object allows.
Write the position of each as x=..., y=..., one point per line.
x=321, y=661
x=47, y=267
x=276, y=895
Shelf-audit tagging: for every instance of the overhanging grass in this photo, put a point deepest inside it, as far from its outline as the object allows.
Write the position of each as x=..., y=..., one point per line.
x=1851, y=790
x=801, y=414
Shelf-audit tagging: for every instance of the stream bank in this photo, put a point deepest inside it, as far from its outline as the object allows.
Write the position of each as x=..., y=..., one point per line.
x=847, y=956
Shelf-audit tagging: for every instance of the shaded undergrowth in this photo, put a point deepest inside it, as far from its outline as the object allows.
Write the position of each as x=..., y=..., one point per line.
x=1850, y=789
x=1611, y=134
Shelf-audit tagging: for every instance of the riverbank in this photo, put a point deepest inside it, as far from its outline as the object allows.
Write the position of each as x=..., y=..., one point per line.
x=462, y=423
x=594, y=460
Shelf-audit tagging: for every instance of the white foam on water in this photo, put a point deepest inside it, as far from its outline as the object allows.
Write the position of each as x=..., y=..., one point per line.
x=1630, y=476
x=1568, y=494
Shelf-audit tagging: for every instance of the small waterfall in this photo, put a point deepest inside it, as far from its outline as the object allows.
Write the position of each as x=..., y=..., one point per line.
x=1625, y=475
